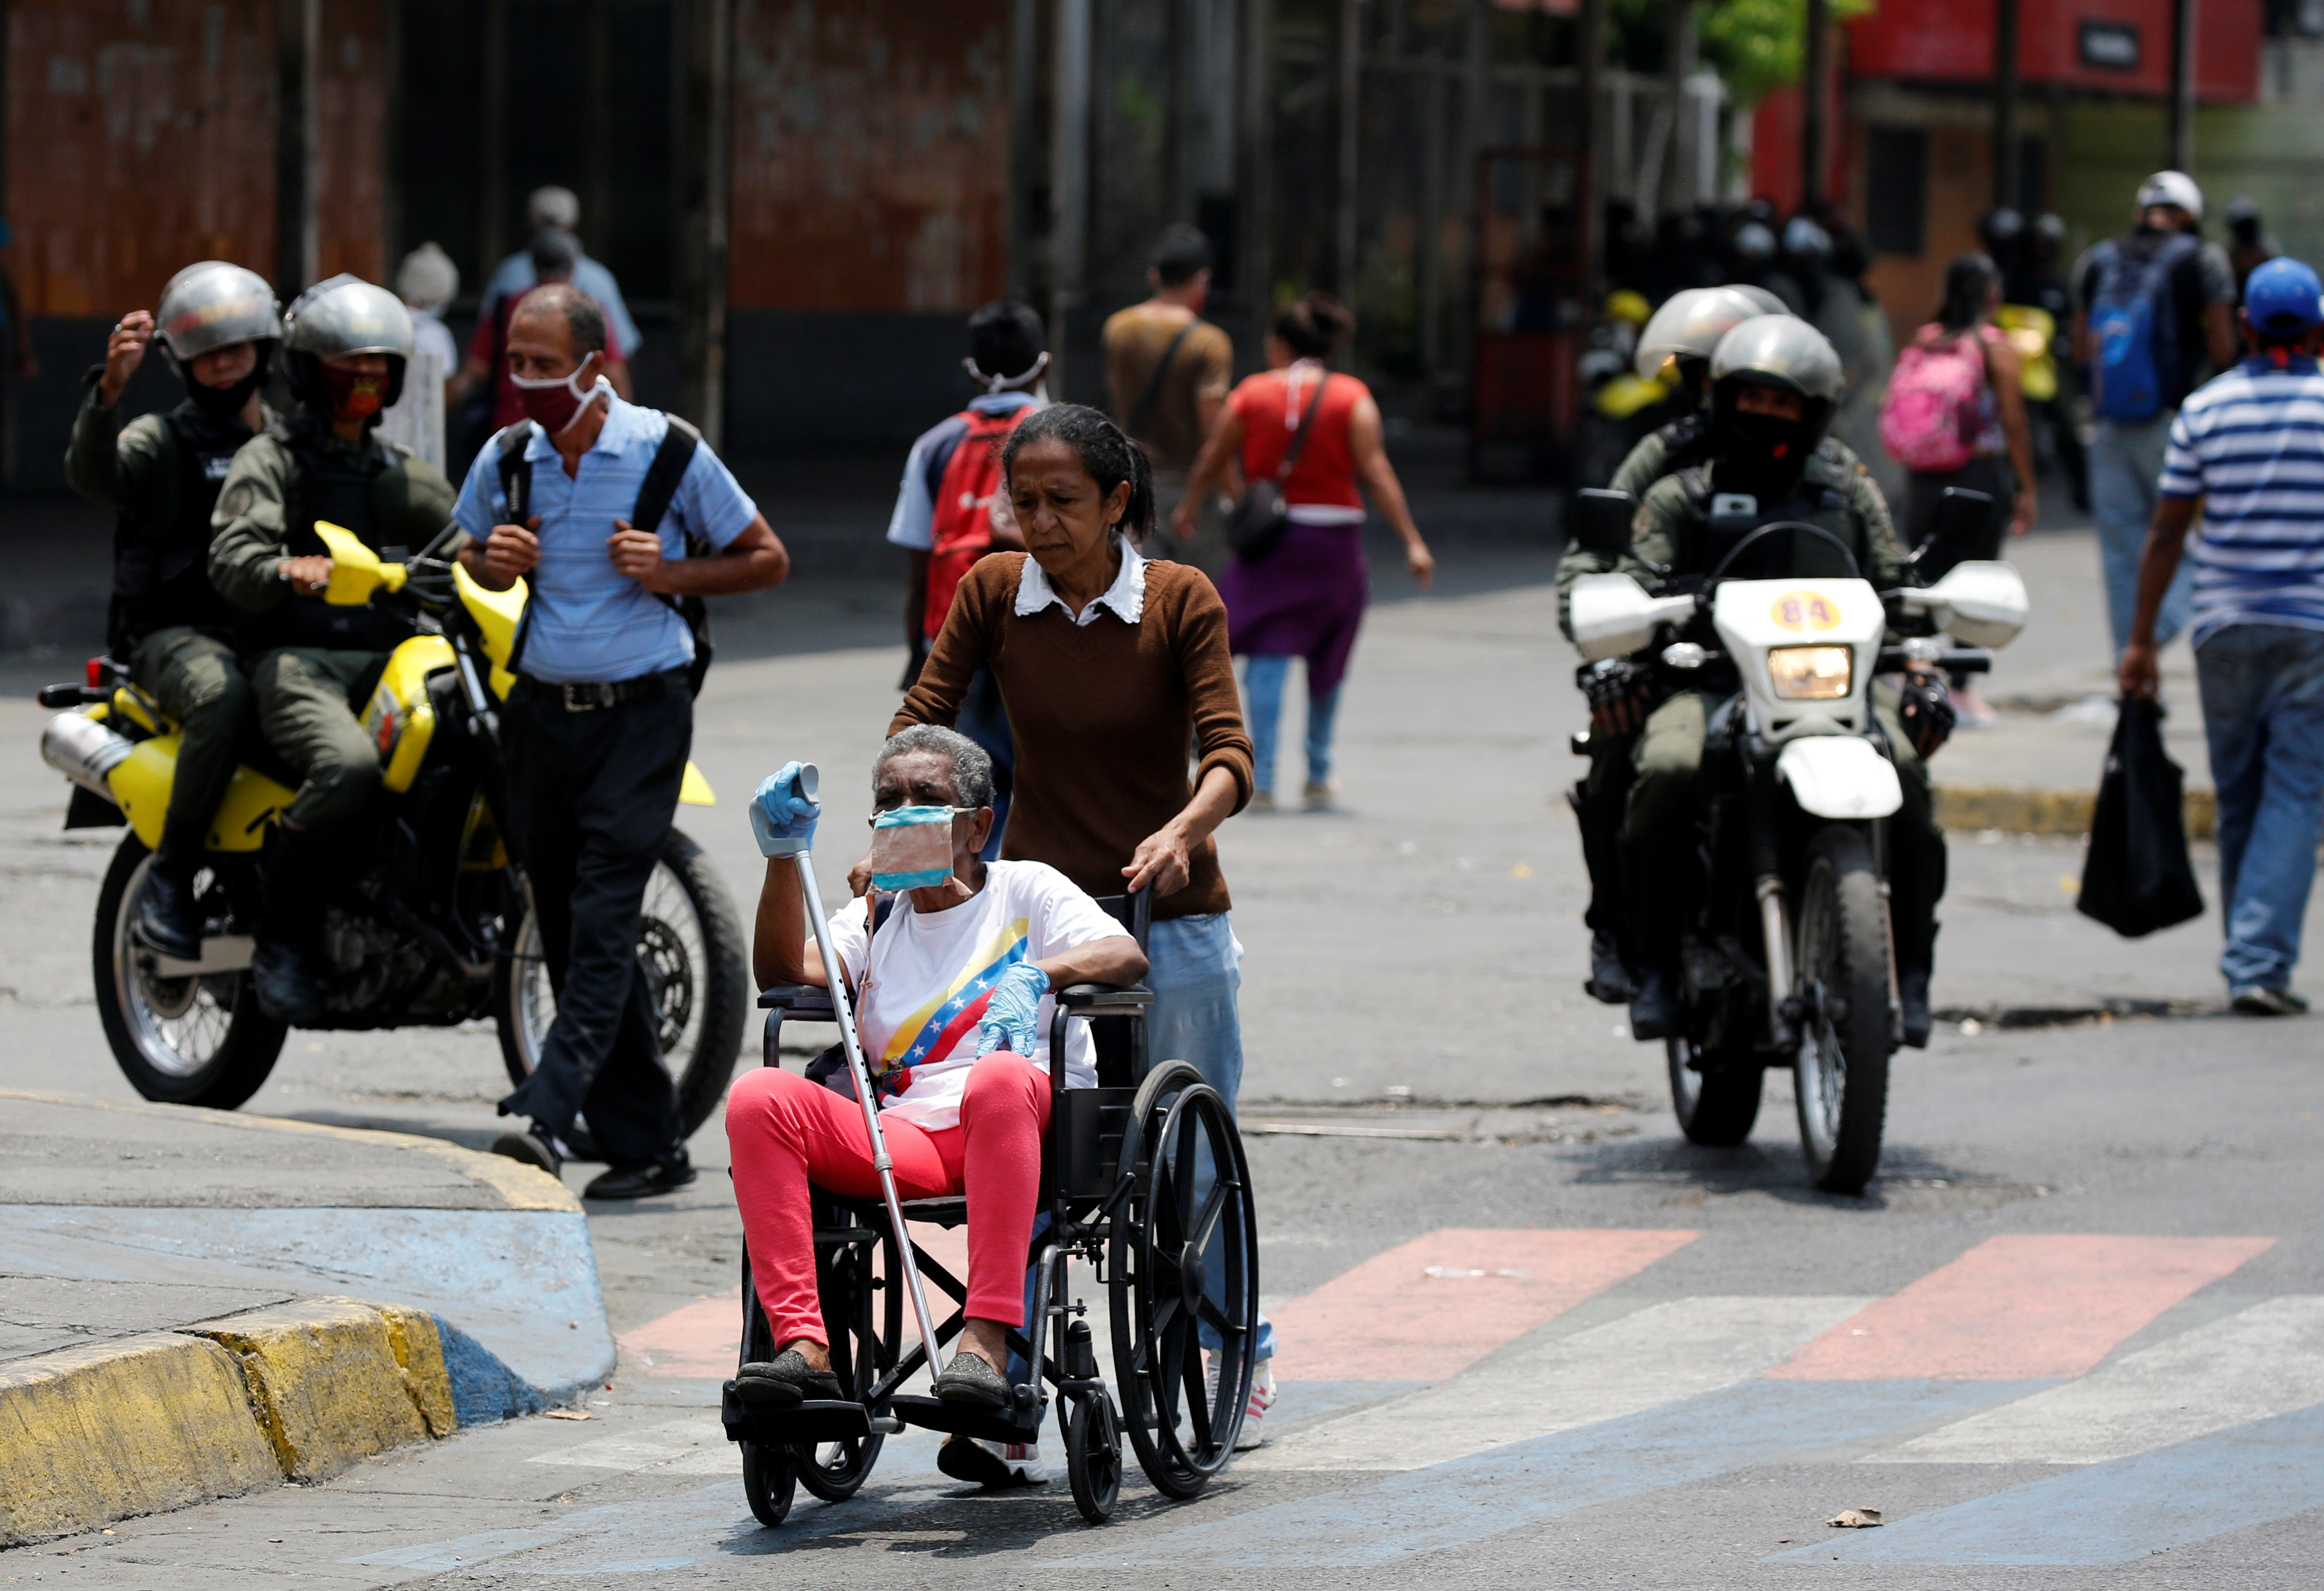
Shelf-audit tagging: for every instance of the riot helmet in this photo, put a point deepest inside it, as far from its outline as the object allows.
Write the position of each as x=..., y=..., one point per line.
x=1687, y=327
x=1759, y=453
x=346, y=315
x=214, y=305
x=1769, y=303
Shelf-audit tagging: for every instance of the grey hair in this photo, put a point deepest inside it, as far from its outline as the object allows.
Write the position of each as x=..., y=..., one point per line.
x=972, y=766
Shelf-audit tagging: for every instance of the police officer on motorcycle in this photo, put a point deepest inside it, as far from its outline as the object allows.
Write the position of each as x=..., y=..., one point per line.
x=345, y=346
x=1775, y=383
x=219, y=328
x=1677, y=344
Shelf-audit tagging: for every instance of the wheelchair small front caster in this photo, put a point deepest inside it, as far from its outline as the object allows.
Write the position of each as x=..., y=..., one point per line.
x=1093, y=1456
x=769, y=1482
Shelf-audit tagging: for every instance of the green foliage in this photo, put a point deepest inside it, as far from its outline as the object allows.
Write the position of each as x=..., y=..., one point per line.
x=1758, y=46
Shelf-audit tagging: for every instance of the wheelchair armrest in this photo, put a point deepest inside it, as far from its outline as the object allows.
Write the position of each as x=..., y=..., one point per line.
x=1105, y=998
x=801, y=1000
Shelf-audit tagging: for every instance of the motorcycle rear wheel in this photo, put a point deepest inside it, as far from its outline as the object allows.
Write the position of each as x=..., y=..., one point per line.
x=1840, y=1074
x=690, y=938
x=182, y=1040
x=1716, y=1101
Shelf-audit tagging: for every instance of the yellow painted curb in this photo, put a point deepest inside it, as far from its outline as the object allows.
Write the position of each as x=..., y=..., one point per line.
x=160, y=1420
x=519, y=1186
x=2015, y=809
x=97, y=1433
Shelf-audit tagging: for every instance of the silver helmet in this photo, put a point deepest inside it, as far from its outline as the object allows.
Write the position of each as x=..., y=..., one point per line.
x=1780, y=351
x=1689, y=326
x=347, y=315
x=214, y=305
x=1769, y=303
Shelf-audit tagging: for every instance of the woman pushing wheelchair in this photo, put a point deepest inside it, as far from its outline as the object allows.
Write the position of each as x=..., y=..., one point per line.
x=952, y=992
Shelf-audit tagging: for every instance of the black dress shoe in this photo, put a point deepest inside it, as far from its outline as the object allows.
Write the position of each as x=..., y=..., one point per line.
x=283, y=978
x=637, y=1182
x=1610, y=980
x=787, y=1378
x=1912, y=1001
x=968, y=1379
x=534, y=1147
x=168, y=917
x=1653, y=1009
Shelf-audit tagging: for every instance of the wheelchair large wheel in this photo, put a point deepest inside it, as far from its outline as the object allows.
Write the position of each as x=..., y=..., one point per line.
x=1184, y=1256
x=853, y=1288
x=769, y=1482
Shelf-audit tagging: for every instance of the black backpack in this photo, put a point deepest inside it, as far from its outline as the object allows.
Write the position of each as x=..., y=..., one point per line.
x=654, y=494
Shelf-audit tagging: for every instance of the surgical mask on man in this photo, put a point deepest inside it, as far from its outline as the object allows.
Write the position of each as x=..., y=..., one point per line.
x=555, y=403
x=911, y=847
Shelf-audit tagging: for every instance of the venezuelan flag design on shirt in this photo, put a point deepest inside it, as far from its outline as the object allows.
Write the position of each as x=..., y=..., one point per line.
x=936, y=1028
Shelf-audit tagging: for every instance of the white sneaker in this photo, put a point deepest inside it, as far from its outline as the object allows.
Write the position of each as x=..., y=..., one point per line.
x=1254, y=1414
x=992, y=1464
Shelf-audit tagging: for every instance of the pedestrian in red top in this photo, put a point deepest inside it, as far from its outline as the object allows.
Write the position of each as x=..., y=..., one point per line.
x=1305, y=597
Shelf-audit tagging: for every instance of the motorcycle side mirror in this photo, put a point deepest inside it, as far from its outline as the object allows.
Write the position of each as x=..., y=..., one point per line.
x=1979, y=601
x=1965, y=526
x=357, y=571
x=1602, y=521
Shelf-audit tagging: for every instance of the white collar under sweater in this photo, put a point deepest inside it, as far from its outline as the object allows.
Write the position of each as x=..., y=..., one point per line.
x=1126, y=596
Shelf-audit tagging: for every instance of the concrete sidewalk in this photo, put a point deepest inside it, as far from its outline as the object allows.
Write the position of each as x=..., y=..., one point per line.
x=194, y=1304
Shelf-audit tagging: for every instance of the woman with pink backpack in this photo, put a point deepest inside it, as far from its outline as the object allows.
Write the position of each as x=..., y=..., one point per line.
x=1954, y=415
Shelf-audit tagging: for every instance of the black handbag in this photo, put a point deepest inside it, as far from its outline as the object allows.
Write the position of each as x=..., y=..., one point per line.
x=1256, y=524
x=2138, y=877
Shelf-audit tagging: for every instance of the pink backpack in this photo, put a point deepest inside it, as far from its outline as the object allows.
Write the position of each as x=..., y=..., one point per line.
x=1929, y=419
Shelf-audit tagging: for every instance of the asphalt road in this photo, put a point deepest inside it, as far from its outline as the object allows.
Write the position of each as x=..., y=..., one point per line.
x=2070, y=1338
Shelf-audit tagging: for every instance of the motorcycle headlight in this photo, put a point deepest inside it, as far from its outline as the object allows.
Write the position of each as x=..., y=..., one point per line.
x=1812, y=673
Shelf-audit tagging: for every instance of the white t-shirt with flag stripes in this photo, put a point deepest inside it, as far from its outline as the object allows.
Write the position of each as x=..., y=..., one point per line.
x=2250, y=443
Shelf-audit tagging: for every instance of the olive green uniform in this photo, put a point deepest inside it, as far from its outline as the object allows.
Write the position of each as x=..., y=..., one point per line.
x=313, y=655
x=160, y=474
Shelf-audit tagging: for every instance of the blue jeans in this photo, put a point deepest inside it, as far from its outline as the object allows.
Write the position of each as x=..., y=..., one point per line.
x=2262, y=689
x=2125, y=463
x=1195, y=970
x=1264, y=678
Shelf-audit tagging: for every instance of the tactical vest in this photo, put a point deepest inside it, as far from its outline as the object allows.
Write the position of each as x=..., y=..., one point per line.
x=161, y=562
x=1717, y=522
x=336, y=485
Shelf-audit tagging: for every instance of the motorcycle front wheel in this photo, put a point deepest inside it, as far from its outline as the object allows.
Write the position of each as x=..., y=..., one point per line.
x=690, y=947
x=1840, y=1074
x=199, y=1040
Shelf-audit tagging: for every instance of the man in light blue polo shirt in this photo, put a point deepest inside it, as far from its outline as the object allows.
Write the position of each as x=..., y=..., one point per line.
x=596, y=733
x=2247, y=450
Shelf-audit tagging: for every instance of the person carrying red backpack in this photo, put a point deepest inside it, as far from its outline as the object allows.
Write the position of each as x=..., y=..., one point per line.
x=1955, y=413
x=953, y=510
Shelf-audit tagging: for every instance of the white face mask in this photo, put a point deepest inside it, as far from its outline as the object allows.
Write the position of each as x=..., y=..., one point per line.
x=546, y=398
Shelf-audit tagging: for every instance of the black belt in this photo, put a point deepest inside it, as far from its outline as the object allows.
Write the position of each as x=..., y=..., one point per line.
x=588, y=695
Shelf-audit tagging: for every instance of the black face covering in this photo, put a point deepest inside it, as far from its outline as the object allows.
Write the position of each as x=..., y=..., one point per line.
x=222, y=402
x=1762, y=454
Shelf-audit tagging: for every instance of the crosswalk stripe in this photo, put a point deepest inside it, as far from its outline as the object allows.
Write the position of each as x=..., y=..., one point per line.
x=2265, y=1361
x=1428, y=1308
x=2020, y=1306
x=2120, y=1512
x=637, y=1450
x=1661, y=1354
x=1392, y=1518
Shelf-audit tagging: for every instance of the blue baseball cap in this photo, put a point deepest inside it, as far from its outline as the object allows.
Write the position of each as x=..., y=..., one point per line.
x=2282, y=298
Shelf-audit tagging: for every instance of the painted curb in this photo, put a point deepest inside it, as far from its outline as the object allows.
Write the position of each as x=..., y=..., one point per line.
x=297, y=1391
x=2017, y=809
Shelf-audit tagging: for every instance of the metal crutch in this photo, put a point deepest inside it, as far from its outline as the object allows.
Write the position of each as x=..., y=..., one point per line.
x=844, y=1008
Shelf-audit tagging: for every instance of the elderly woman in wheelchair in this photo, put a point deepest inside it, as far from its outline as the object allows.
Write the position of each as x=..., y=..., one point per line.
x=951, y=990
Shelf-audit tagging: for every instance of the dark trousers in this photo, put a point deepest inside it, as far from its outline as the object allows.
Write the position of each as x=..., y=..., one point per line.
x=983, y=719
x=591, y=797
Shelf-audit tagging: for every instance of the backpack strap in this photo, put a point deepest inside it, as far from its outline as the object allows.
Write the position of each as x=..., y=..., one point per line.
x=1299, y=438
x=655, y=492
x=1143, y=411
x=516, y=471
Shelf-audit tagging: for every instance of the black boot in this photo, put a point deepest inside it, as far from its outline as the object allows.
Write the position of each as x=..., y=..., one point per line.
x=167, y=916
x=1653, y=1010
x=284, y=970
x=1610, y=978
x=1657, y=905
x=1912, y=998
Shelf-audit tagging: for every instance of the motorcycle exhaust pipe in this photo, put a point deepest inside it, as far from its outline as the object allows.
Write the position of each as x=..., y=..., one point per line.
x=1776, y=935
x=84, y=750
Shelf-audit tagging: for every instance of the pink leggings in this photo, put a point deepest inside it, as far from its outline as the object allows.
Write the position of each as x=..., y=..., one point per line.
x=784, y=1132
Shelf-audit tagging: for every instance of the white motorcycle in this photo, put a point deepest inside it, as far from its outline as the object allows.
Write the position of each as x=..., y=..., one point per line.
x=1791, y=959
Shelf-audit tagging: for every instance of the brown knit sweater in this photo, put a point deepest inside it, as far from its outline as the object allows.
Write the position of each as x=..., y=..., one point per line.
x=1104, y=715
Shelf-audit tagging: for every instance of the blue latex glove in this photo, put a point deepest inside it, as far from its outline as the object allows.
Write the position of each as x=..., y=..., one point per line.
x=1012, y=1016
x=783, y=819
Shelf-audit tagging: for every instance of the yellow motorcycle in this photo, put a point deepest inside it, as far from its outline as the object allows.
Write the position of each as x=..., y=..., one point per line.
x=428, y=923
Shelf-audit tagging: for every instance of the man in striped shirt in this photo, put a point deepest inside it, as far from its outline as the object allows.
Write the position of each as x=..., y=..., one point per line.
x=2247, y=450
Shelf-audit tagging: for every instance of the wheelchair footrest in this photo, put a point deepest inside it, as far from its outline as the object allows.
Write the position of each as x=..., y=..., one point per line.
x=971, y=1419
x=775, y=1425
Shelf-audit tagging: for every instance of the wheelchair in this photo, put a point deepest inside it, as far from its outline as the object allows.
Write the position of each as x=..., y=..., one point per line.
x=1143, y=1177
